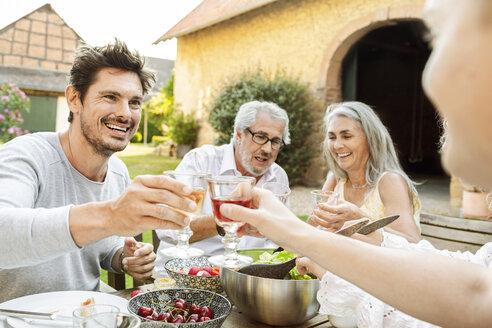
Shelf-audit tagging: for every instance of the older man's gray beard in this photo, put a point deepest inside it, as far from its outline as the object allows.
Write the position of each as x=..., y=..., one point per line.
x=246, y=163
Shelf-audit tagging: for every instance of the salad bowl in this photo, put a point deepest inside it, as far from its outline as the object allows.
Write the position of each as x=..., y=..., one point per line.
x=290, y=302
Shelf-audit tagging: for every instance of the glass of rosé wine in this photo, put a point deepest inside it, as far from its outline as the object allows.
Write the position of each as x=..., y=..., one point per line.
x=230, y=190
x=198, y=182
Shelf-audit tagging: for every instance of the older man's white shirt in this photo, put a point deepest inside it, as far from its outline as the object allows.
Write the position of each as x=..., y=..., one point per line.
x=216, y=160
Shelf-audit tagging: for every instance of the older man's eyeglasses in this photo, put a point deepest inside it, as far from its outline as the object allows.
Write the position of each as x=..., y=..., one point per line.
x=261, y=139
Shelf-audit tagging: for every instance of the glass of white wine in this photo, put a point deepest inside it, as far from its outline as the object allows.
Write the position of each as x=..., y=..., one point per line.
x=198, y=182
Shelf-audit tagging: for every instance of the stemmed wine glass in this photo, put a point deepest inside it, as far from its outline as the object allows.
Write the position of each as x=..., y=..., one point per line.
x=230, y=190
x=280, y=190
x=198, y=182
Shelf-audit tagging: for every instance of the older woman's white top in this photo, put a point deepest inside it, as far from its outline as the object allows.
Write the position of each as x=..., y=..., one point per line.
x=341, y=298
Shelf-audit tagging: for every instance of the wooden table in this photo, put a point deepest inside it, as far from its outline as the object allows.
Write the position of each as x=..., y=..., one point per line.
x=236, y=319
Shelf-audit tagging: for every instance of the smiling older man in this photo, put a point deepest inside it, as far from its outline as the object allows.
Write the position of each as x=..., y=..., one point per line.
x=261, y=129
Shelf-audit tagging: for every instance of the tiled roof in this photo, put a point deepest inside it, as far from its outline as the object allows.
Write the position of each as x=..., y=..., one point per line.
x=211, y=12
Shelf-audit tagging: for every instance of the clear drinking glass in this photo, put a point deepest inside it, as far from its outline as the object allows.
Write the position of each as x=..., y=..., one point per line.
x=320, y=196
x=110, y=320
x=198, y=182
x=85, y=311
x=280, y=191
x=230, y=190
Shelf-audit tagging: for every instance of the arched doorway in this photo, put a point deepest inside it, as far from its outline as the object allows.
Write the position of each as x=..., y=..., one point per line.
x=384, y=69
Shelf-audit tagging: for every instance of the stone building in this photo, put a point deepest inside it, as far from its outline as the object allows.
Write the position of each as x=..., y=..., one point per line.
x=36, y=54
x=371, y=51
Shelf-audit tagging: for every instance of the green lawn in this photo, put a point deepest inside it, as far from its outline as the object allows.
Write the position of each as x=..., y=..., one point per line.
x=139, y=160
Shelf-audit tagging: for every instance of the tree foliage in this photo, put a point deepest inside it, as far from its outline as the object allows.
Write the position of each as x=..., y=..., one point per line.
x=287, y=92
x=160, y=110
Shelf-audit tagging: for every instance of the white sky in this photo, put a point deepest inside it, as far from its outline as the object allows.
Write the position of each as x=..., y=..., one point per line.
x=137, y=22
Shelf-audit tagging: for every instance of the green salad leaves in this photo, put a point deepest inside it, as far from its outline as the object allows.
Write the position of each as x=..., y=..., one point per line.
x=280, y=257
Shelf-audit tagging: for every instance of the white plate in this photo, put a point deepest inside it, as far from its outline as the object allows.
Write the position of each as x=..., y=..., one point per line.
x=62, y=303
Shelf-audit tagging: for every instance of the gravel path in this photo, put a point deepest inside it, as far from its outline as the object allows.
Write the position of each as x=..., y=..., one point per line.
x=300, y=200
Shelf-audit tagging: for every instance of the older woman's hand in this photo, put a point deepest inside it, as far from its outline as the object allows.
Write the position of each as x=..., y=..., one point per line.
x=334, y=216
x=305, y=264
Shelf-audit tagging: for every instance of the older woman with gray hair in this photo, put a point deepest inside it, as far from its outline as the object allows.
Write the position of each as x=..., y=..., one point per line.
x=365, y=172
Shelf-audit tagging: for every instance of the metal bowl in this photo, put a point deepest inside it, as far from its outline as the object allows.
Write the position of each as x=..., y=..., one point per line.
x=271, y=301
x=157, y=299
x=189, y=281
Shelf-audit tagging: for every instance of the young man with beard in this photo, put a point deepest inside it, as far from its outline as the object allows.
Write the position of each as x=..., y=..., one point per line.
x=64, y=199
x=260, y=131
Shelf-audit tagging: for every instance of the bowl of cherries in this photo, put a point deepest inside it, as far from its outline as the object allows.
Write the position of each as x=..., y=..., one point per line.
x=180, y=307
x=194, y=272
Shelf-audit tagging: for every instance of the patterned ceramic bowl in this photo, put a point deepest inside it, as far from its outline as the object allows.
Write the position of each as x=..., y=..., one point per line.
x=173, y=266
x=157, y=300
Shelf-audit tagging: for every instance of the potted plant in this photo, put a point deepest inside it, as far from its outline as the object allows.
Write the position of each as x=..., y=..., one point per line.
x=183, y=130
x=475, y=202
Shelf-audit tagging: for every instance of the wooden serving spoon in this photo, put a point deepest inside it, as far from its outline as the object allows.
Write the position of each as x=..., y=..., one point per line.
x=280, y=270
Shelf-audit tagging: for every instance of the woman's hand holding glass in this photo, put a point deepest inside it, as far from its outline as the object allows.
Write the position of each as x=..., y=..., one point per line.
x=268, y=215
x=319, y=197
x=333, y=215
x=281, y=192
x=230, y=190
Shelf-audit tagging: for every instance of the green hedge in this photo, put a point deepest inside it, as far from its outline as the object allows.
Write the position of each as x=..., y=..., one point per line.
x=287, y=92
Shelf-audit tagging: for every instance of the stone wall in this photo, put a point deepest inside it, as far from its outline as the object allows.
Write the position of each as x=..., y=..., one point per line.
x=39, y=40
x=305, y=38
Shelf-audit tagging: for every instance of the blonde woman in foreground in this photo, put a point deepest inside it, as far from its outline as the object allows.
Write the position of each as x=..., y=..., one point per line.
x=434, y=288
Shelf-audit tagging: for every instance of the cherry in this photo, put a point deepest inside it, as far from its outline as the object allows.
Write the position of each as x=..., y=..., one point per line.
x=149, y=317
x=175, y=312
x=206, y=311
x=202, y=319
x=136, y=292
x=194, y=308
x=160, y=317
x=178, y=319
x=144, y=312
x=166, y=316
x=194, y=316
x=183, y=303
